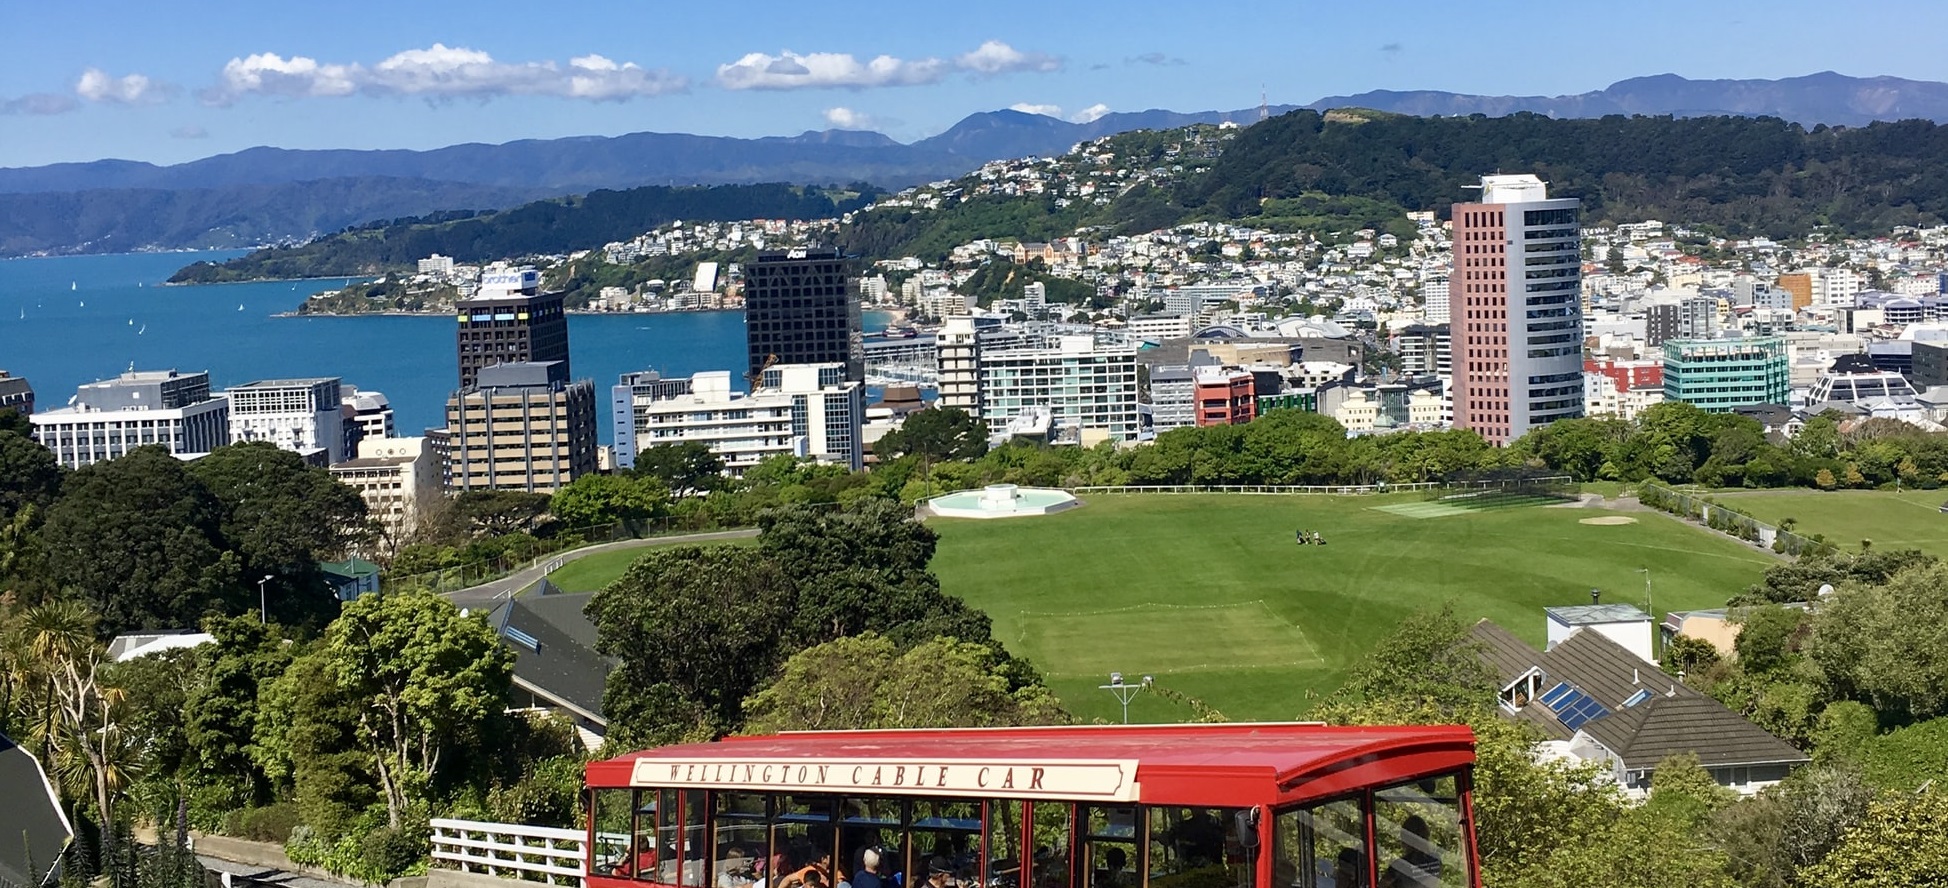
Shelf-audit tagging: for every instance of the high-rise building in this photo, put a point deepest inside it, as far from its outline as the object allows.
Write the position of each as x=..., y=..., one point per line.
x=1837, y=287
x=958, y=349
x=509, y=320
x=1697, y=317
x=1720, y=374
x=1930, y=364
x=1517, y=280
x=1660, y=323
x=626, y=403
x=109, y=418
x=1088, y=389
x=1173, y=396
x=371, y=412
x=809, y=411
x=525, y=426
x=16, y=393
x=305, y=416
x=800, y=308
x=1800, y=285
x=1434, y=301
x=1425, y=350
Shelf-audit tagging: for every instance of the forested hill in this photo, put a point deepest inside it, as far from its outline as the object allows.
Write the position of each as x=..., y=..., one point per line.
x=1357, y=169
x=559, y=225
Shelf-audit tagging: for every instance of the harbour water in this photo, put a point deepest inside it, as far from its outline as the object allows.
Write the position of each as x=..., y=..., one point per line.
x=70, y=320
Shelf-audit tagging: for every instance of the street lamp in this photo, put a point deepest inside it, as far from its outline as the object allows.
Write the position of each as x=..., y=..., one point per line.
x=1648, y=607
x=1124, y=693
x=263, y=604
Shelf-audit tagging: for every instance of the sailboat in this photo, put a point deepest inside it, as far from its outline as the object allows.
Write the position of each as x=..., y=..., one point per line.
x=145, y=329
x=74, y=285
x=131, y=322
x=240, y=306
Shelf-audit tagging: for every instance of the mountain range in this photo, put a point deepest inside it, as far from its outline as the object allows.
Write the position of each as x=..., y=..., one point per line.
x=273, y=194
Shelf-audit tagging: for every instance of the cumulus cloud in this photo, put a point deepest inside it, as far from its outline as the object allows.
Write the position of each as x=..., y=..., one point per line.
x=840, y=70
x=190, y=131
x=1044, y=110
x=97, y=85
x=1153, y=58
x=847, y=119
x=1090, y=114
x=438, y=71
x=39, y=104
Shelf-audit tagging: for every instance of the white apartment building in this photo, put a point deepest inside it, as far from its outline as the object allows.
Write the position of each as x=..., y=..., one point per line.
x=1173, y=398
x=109, y=418
x=1159, y=327
x=804, y=410
x=1090, y=390
x=370, y=411
x=1839, y=287
x=396, y=477
x=1034, y=298
x=957, y=348
x=436, y=264
x=300, y=415
x=1434, y=301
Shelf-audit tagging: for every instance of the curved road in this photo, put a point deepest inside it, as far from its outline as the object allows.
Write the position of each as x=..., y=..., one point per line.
x=486, y=595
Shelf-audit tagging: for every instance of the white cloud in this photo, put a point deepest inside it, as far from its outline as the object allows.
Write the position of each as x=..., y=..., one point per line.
x=1044, y=110
x=839, y=70
x=847, y=119
x=189, y=131
x=39, y=104
x=995, y=57
x=439, y=71
x=97, y=85
x=1090, y=114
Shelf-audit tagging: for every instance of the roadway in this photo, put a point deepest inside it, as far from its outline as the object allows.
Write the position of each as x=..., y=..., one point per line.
x=487, y=594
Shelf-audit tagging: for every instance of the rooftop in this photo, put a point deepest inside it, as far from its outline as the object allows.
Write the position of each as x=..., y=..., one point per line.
x=1587, y=614
x=286, y=383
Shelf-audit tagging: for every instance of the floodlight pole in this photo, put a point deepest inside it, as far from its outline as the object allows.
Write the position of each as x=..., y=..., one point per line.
x=1656, y=627
x=1124, y=693
x=263, y=603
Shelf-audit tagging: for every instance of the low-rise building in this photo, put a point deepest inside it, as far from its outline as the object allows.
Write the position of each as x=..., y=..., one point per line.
x=524, y=426
x=802, y=410
x=16, y=393
x=396, y=477
x=370, y=413
x=1719, y=374
x=1223, y=395
x=305, y=416
x=139, y=408
x=1172, y=398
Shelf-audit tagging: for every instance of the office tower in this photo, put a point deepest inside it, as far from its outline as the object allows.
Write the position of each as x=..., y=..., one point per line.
x=1660, y=323
x=799, y=308
x=16, y=393
x=626, y=415
x=109, y=418
x=509, y=320
x=305, y=416
x=1720, y=374
x=524, y=426
x=1519, y=334
x=809, y=411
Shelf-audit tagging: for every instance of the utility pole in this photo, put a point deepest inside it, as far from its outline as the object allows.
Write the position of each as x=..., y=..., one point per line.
x=1124, y=693
x=1656, y=628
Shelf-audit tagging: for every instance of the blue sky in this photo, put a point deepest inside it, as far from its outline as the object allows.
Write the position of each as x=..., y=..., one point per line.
x=168, y=82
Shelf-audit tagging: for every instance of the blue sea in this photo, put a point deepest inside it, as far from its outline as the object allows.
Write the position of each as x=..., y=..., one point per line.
x=71, y=320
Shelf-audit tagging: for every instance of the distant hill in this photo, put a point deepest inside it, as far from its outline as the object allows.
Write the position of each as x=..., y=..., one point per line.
x=1826, y=97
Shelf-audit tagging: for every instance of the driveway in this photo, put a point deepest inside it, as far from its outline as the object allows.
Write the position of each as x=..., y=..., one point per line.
x=486, y=595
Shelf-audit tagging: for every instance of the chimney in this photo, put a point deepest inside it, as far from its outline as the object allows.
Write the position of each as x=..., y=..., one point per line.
x=1595, y=596
x=1636, y=678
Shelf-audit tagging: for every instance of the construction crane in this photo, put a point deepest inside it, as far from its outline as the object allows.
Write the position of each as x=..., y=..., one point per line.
x=757, y=376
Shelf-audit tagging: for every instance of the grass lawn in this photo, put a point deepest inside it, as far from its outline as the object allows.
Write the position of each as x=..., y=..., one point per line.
x=592, y=572
x=1906, y=520
x=1210, y=594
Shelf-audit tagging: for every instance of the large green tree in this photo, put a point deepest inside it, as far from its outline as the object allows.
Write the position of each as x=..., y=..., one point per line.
x=139, y=540
x=222, y=725
x=696, y=629
x=29, y=476
x=283, y=516
x=1897, y=845
x=595, y=500
x=687, y=469
x=867, y=681
x=1887, y=644
x=933, y=435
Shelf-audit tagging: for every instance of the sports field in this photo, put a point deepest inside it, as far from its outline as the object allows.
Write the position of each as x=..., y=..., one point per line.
x=1906, y=520
x=1211, y=595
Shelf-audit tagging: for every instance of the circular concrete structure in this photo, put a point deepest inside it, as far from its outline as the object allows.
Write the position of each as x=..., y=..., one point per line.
x=1002, y=501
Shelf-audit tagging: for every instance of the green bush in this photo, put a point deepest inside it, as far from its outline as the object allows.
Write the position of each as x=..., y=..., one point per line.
x=271, y=823
x=1905, y=758
x=391, y=853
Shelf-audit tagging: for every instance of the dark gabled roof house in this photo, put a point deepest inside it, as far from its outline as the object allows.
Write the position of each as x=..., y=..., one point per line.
x=31, y=819
x=1599, y=702
x=555, y=664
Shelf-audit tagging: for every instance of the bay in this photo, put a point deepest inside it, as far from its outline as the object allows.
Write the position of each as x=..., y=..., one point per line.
x=74, y=319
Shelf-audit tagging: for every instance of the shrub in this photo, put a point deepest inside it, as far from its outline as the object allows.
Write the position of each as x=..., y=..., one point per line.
x=271, y=823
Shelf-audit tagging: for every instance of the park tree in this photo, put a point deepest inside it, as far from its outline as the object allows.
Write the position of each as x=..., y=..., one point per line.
x=1429, y=659
x=139, y=540
x=427, y=681
x=934, y=435
x=222, y=727
x=1768, y=638
x=695, y=630
x=498, y=512
x=84, y=721
x=1887, y=644
x=29, y=476
x=158, y=688
x=867, y=681
x=1895, y=844
x=687, y=469
x=307, y=741
x=283, y=516
x=600, y=500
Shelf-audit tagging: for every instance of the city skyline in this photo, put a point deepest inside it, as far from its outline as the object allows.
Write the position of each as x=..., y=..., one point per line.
x=146, y=84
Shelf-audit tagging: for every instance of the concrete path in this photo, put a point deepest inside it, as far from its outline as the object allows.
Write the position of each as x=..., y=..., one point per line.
x=486, y=595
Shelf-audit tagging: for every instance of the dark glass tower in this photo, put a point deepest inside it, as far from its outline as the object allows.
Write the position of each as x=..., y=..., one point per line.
x=508, y=326
x=800, y=308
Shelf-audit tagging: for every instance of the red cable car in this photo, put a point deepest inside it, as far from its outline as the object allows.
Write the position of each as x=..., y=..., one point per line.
x=1178, y=806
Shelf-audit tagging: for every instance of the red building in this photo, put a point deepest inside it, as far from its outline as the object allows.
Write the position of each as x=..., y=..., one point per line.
x=1630, y=376
x=1224, y=396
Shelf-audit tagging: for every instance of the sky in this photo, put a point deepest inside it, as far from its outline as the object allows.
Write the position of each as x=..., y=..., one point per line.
x=170, y=82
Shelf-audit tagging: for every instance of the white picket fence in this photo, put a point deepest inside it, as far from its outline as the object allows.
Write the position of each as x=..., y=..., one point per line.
x=530, y=853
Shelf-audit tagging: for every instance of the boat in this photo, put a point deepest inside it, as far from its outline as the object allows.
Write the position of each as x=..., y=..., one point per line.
x=145, y=329
x=240, y=306
x=131, y=322
x=74, y=285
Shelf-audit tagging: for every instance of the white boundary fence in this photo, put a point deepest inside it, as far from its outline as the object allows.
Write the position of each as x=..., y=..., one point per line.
x=1264, y=489
x=530, y=853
